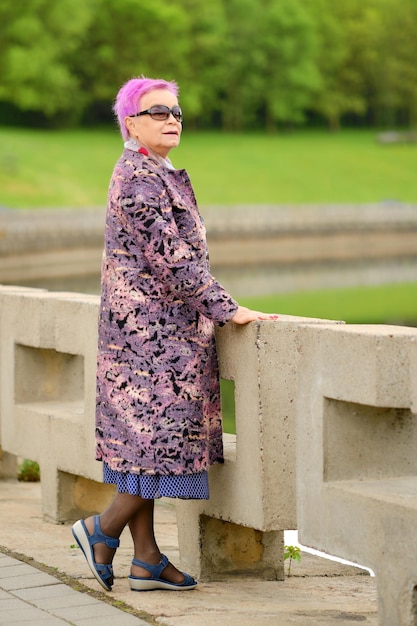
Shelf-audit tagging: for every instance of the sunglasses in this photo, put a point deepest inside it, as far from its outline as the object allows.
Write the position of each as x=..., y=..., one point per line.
x=160, y=112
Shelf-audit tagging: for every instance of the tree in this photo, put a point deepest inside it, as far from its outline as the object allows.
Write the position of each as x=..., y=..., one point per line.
x=201, y=76
x=347, y=34
x=241, y=80
x=34, y=50
x=239, y=63
x=289, y=61
x=394, y=81
x=60, y=57
x=269, y=72
x=129, y=38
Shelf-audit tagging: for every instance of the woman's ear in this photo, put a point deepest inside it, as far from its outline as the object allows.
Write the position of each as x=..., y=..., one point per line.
x=129, y=123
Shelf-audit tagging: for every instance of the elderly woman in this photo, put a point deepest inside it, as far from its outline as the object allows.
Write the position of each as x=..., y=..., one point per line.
x=158, y=402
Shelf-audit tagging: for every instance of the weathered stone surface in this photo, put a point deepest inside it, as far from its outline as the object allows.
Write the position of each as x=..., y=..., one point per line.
x=356, y=459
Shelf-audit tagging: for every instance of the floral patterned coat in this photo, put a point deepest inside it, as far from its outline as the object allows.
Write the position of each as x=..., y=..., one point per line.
x=158, y=398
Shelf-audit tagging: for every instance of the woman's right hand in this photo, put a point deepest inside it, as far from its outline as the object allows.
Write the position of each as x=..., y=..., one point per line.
x=244, y=316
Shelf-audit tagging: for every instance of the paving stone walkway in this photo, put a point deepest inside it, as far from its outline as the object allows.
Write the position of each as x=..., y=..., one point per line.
x=30, y=597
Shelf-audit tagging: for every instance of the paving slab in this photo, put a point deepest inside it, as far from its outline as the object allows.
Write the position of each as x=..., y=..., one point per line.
x=319, y=591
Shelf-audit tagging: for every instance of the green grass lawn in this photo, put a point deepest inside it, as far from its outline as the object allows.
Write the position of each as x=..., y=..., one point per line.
x=303, y=167
x=55, y=168
x=72, y=168
x=382, y=304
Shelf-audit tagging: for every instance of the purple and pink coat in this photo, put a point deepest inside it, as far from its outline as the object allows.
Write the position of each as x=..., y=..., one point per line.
x=158, y=397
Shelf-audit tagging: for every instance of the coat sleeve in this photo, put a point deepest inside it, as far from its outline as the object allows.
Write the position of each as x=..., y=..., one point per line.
x=173, y=260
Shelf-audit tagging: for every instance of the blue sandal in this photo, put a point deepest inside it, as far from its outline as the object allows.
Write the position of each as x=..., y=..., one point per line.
x=155, y=581
x=86, y=542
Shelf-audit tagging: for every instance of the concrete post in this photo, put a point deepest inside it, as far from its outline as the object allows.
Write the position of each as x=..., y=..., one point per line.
x=356, y=455
x=8, y=465
x=47, y=379
x=252, y=496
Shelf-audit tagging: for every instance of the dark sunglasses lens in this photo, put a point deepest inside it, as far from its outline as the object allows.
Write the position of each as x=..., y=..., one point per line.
x=177, y=113
x=159, y=112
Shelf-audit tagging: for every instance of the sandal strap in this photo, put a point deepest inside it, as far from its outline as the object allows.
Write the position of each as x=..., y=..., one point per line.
x=99, y=537
x=105, y=570
x=188, y=580
x=154, y=570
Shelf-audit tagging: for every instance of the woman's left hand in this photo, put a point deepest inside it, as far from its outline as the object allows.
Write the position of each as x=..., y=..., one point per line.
x=244, y=316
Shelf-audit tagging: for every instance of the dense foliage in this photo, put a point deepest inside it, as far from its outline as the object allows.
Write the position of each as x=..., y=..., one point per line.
x=240, y=63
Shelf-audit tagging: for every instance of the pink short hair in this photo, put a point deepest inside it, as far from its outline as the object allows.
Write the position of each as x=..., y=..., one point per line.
x=129, y=96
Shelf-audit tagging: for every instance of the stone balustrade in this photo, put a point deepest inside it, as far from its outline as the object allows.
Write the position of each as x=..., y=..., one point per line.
x=346, y=476
x=356, y=454
x=48, y=344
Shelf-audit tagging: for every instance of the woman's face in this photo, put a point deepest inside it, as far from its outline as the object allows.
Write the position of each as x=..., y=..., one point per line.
x=158, y=135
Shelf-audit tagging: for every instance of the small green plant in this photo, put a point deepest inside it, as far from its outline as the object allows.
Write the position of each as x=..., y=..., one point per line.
x=29, y=472
x=294, y=554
